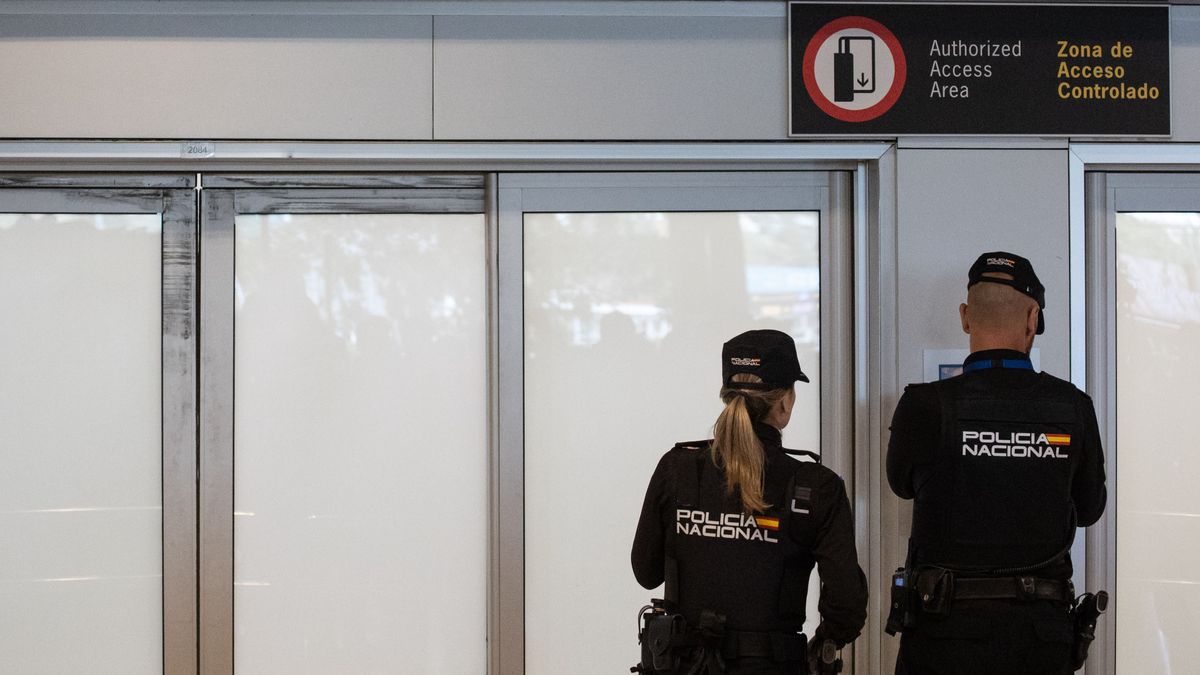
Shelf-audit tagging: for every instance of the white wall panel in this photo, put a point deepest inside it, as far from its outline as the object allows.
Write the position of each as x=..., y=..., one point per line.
x=327, y=70
x=574, y=77
x=216, y=77
x=954, y=205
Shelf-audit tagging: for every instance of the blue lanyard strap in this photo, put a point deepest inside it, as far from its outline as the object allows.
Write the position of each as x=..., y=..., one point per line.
x=1016, y=364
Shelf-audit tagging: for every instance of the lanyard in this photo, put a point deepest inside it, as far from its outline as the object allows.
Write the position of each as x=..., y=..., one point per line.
x=1015, y=364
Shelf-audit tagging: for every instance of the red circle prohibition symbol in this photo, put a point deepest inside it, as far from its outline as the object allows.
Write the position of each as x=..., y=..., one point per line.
x=810, y=79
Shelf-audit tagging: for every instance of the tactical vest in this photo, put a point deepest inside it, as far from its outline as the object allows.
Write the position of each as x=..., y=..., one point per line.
x=751, y=568
x=998, y=493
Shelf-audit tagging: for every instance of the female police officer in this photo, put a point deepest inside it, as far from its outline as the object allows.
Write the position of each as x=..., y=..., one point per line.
x=734, y=526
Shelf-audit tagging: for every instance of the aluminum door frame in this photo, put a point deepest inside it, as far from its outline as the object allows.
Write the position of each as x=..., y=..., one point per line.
x=173, y=196
x=1106, y=194
x=223, y=198
x=831, y=193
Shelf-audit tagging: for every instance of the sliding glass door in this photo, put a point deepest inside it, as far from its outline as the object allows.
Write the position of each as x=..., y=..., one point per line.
x=629, y=284
x=345, y=449
x=294, y=423
x=97, y=443
x=1146, y=251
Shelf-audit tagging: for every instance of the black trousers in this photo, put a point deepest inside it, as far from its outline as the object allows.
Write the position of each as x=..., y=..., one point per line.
x=997, y=638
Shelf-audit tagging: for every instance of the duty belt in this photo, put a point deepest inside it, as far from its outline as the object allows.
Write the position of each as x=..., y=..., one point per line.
x=938, y=589
x=1012, y=588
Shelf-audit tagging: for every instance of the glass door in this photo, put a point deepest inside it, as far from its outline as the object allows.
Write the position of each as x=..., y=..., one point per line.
x=359, y=423
x=1149, y=243
x=345, y=441
x=629, y=284
x=97, y=424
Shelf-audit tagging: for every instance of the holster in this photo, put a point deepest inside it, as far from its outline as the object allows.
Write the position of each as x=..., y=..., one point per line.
x=662, y=634
x=935, y=590
x=1084, y=614
x=667, y=638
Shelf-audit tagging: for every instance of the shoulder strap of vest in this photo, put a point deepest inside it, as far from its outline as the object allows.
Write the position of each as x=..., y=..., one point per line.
x=797, y=504
x=949, y=412
x=945, y=437
x=687, y=472
x=686, y=477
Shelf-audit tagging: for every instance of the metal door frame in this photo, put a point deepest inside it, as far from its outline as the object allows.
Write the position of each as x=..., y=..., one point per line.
x=1112, y=179
x=871, y=237
x=223, y=198
x=172, y=196
x=828, y=192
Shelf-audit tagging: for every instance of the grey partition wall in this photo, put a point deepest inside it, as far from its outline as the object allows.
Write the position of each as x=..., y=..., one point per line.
x=98, y=438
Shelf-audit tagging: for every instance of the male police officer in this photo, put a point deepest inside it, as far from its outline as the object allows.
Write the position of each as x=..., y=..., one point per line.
x=1003, y=463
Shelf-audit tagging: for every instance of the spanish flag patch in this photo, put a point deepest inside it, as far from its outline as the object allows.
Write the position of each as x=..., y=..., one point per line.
x=766, y=523
x=1058, y=439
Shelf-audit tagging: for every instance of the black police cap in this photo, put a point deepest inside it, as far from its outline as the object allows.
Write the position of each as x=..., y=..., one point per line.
x=769, y=354
x=1024, y=279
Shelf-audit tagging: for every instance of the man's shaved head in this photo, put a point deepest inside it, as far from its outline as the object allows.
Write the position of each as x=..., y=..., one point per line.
x=995, y=306
x=999, y=316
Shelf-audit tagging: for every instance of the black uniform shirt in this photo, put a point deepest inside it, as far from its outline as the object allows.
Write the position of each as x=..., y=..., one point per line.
x=921, y=465
x=753, y=568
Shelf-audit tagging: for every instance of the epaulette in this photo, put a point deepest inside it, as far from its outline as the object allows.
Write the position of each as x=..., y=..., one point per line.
x=694, y=445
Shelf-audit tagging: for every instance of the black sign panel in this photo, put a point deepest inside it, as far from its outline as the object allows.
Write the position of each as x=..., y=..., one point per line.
x=1040, y=70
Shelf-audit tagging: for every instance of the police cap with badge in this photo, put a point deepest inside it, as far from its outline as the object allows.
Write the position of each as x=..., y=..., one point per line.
x=769, y=354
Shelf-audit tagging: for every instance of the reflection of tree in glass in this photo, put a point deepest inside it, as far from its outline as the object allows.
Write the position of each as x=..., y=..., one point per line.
x=1159, y=276
x=785, y=239
x=647, y=266
x=1158, y=287
x=352, y=270
x=783, y=274
x=1158, y=327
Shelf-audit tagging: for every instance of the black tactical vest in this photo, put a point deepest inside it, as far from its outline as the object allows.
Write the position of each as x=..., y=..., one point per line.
x=999, y=491
x=752, y=568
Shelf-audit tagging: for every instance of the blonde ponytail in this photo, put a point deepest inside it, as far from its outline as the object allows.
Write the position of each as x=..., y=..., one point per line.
x=736, y=447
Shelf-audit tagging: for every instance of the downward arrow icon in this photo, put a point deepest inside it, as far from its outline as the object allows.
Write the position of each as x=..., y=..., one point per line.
x=862, y=80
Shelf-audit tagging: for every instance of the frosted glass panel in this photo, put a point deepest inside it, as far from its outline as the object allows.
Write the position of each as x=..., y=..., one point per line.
x=1158, y=506
x=80, y=449
x=360, y=444
x=625, y=314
